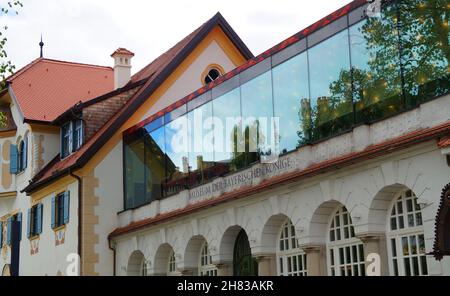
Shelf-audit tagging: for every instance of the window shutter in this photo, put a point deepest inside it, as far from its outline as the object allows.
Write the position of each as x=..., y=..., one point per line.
x=66, y=206
x=8, y=231
x=53, y=211
x=1, y=235
x=19, y=219
x=29, y=223
x=40, y=208
x=13, y=153
x=25, y=153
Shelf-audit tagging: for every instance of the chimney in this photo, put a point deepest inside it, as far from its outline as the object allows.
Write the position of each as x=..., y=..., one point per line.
x=122, y=67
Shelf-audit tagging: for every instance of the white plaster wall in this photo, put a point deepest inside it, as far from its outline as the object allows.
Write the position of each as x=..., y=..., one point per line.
x=110, y=193
x=190, y=80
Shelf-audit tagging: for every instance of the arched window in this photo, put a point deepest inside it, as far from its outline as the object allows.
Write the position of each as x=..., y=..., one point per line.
x=345, y=252
x=406, y=241
x=22, y=156
x=172, y=266
x=206, y=268
x=211, y=73
x=291, y=260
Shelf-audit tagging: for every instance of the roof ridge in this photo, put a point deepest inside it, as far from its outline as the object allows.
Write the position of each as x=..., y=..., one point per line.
x=36, y=61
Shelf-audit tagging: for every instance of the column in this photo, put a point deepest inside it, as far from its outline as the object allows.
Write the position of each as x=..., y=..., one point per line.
x=315, y=260
x=375, y=244
x=266, y=265
x=224, y=269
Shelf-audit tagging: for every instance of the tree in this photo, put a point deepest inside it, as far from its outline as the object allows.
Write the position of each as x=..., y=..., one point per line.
x=406, y=47
x=6, y=66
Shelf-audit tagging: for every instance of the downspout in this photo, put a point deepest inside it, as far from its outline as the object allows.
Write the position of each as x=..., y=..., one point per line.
x=80, y=212
x=112, y=247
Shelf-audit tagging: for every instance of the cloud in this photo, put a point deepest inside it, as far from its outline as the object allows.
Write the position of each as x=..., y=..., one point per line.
x=89, y=31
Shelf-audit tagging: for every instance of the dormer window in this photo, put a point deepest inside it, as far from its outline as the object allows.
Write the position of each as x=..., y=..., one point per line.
x=71, y=137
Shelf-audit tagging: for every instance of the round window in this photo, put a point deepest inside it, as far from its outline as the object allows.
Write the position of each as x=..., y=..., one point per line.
x=212, y=75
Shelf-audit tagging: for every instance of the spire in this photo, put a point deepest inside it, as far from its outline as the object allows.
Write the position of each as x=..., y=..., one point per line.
x=41, y=44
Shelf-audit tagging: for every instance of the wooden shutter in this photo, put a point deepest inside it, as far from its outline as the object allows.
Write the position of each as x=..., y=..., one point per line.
x=66, y=206
x=1, y=235
x=19, y=219
x=29, y=219
x=53, y=211
x=13, y=159
x=25, y=153
x=39, y=211
x=8, y=231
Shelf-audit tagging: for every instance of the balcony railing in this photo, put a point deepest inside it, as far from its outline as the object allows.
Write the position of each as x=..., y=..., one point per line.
x=356, y=70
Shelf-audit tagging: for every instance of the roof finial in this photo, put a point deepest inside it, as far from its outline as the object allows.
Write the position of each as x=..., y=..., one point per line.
x=41, y=44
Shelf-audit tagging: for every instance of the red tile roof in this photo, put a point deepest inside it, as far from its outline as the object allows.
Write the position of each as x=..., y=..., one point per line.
x=444, y=142
x=156, y=72
x=122, y=50
x=46, y=88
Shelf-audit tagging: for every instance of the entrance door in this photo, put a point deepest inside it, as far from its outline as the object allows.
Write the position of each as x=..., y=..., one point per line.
x=243, y=262
x=16, y=233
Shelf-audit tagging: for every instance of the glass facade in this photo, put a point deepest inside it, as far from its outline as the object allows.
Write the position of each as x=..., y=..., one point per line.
x=355, y=70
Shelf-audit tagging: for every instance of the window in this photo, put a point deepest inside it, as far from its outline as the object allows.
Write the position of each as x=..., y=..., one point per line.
x=206, y=268
x=406, y=241
x=212, y=74
x=23, y=159
x=291, y=260
x=71, y=137
x=78, y=135
x=19, y=156
x=17, y=218
x=345, y=252
x=34, y=221
x=172, y=266
x=144, y=268
x=60, y=209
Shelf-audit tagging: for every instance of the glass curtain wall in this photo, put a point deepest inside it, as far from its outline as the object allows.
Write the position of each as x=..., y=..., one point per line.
x=355, y=70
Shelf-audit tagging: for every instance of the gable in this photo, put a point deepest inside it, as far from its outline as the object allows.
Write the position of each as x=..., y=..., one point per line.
x=215, y=48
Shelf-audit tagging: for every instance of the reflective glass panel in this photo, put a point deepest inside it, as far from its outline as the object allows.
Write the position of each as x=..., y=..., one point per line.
x=257, y=114
x=177, y=167
x=201, y=155
x=228, y=143
x=331, y=95
x=376, y=71
x=291, y=97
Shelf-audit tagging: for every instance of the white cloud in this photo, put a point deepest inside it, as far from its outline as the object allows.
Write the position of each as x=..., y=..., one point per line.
x=90, y=30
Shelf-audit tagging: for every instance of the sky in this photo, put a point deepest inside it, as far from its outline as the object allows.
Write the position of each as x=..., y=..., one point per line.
x=88, y=31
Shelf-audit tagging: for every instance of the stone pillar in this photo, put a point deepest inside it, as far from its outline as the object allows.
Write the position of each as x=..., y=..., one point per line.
x=315, y=260
x=376, y=244
x=266, y=265
x=224, y=269
x=187, y=272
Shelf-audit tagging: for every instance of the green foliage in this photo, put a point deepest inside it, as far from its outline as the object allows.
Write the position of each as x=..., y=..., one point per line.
x=6, y=66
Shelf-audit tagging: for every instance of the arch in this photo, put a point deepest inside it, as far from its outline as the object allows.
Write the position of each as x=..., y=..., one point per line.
x=243, y=262
x=192, y=253
x=135, y=264
x=380, y=205
x=320, y=220
x=162, y=258
x=271, y=232
x=441, y=246
x=227, y=241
